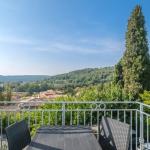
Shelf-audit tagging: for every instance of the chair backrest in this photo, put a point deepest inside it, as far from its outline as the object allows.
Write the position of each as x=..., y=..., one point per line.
x=114, y=135
x=18, y=135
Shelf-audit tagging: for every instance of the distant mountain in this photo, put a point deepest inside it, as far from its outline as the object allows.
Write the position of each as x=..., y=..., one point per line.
x=22, y=78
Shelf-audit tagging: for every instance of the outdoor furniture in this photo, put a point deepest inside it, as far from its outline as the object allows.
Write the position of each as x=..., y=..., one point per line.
x=18, y=135
x=64, y=138
x=114, y=135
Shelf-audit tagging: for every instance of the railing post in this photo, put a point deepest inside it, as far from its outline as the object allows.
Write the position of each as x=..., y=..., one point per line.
x=141, y=139
x=63, y=113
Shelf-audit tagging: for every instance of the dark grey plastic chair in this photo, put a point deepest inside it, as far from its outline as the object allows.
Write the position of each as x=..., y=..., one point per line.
x=114, y=135
x=18, y=135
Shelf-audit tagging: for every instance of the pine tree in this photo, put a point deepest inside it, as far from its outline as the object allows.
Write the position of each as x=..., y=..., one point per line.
x=136, y=59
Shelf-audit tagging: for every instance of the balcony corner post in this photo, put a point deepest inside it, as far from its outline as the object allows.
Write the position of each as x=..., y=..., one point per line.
x=141, y=139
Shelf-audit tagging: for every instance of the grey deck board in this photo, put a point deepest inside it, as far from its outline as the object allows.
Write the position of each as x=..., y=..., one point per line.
x=64, y=138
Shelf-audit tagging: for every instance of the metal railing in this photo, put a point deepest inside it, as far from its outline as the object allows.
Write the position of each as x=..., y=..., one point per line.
x=76, y=113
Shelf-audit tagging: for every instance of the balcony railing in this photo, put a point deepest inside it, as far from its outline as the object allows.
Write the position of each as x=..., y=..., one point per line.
x=78, y=113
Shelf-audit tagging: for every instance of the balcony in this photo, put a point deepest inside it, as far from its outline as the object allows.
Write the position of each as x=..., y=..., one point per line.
x=78, y=113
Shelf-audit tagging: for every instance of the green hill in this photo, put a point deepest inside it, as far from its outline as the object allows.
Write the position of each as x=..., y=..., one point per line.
x=84, y=77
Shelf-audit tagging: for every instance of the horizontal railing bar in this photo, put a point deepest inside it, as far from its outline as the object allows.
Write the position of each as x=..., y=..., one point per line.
x=144, y=113
x=83, y=110
x=70, y=102
x=53, y=110
x=146, y=105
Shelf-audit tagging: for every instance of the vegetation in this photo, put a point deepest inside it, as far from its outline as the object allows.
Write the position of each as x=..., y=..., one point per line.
x=6, y=93
x=132, y=73
x=146, y=97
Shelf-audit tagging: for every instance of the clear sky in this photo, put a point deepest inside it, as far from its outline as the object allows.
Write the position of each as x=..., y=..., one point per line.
x=56, y=36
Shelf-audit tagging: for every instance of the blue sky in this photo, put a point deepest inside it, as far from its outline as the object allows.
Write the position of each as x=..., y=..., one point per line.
x=57, y=36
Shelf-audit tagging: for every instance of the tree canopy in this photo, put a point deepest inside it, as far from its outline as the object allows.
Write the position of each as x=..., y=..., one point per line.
x=133, y=71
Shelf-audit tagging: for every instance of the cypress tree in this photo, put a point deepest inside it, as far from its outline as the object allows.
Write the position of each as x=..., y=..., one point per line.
x=136, y=59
